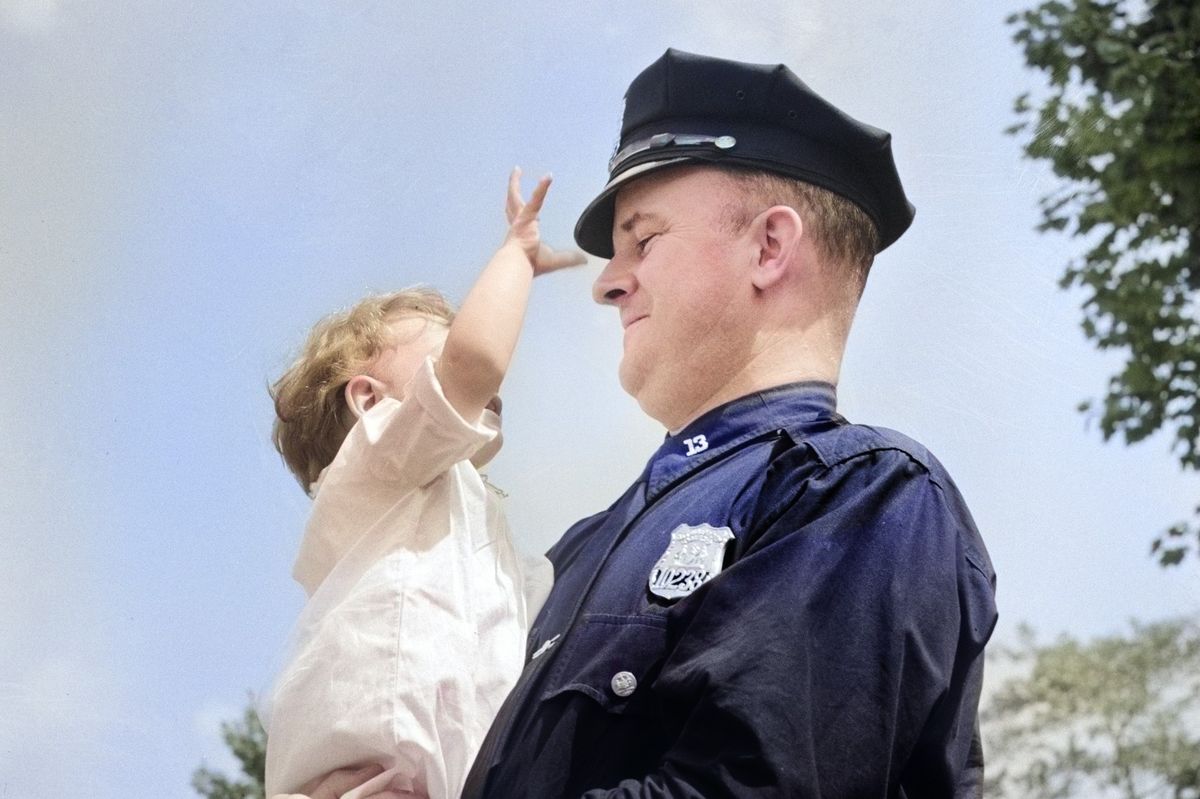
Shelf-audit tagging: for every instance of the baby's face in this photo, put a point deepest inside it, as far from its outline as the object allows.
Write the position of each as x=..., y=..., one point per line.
x=414, y=338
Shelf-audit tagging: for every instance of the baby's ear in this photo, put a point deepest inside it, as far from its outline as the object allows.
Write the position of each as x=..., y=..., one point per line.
x=362, y=392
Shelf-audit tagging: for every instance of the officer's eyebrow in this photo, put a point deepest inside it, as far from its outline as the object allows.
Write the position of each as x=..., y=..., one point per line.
x=638, y=216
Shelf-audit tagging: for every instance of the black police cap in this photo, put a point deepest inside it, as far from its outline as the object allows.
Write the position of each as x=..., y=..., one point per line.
x=687, y=108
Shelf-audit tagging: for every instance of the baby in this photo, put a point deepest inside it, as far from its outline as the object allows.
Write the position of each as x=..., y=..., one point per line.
x=418, y=607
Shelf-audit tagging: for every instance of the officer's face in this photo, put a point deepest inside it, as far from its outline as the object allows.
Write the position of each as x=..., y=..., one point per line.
x=681, y=282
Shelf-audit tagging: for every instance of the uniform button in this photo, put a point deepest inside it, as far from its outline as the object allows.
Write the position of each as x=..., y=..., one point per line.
x=624, y=683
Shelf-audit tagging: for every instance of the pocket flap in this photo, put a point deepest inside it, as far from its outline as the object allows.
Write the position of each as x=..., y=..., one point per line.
x=612, y=659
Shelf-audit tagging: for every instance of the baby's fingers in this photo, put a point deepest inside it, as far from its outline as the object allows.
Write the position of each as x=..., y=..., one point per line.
x=550, y=260
x=534, y=206
x=513, y=202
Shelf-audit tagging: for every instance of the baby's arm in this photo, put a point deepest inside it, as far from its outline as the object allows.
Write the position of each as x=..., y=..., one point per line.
x=485, y=331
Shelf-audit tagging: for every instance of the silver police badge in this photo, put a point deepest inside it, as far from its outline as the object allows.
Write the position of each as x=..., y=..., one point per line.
x=692, y=558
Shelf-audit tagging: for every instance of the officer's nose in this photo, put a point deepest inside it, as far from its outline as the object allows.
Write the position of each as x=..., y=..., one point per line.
x=615, y=282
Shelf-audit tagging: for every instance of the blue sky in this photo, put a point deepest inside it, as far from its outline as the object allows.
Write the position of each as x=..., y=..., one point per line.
x=185, y=188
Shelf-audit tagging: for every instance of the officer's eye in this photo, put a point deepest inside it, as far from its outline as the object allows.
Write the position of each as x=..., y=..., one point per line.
x=644, y=243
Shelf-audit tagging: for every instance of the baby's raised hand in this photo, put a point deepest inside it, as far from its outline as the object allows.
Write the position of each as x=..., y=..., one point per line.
x=523, y=227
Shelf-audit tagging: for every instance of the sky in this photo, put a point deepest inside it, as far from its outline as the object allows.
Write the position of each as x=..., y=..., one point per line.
x=186, y=187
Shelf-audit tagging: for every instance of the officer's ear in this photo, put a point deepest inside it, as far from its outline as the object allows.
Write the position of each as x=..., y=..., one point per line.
x=776, y=234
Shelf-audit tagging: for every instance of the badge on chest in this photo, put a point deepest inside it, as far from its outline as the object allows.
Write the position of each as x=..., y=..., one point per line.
x=693, y=557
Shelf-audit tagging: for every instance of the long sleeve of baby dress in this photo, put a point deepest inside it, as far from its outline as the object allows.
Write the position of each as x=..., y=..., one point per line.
x=418, y=607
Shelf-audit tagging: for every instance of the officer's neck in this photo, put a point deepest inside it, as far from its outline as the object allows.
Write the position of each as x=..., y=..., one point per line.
x=772, y=366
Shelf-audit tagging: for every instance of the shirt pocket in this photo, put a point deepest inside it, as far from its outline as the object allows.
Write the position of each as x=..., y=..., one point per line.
x=613, y=660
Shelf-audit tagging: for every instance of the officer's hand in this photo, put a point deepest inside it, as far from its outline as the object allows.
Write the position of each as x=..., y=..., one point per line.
x=523, y=227
x=336, y=783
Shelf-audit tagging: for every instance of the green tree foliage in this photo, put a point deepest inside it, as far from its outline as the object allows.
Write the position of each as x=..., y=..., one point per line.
x=1115, y=717
x=1120, y=123
x=247, y=740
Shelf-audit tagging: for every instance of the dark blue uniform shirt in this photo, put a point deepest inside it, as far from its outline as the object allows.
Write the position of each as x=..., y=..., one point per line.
x=839, y=653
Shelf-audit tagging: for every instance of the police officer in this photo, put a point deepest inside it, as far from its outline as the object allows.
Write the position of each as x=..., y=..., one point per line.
x=783, y=603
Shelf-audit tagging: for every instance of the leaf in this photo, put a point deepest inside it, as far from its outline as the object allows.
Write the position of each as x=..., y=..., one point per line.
x=1172, y=557
x=1118, y=122
x=247, y=740
x=1073, y=718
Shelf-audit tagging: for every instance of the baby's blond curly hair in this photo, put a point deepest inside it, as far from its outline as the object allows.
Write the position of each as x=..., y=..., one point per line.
x=311, y=416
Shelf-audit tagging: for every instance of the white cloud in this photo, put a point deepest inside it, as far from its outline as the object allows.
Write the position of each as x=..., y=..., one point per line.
x=58, y=724
x=756, y=32
x=31, y=16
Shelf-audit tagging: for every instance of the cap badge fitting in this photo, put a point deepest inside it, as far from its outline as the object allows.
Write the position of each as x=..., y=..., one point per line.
x=660, y=140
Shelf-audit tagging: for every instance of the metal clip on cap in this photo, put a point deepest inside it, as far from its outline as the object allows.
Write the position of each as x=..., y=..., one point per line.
x=661, y=140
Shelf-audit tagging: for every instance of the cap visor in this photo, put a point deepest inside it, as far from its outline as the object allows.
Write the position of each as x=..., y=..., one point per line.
x=594, y=230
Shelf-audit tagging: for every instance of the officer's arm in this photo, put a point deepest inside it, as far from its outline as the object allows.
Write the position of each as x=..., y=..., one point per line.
x=841, y=655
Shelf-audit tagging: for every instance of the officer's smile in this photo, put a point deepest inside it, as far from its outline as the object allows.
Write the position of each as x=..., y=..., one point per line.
x=632, y=320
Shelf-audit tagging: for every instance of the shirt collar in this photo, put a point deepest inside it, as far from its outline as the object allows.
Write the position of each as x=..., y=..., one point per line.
x=728, y=426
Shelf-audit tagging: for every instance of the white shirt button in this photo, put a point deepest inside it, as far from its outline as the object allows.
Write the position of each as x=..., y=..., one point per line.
x=624, y=683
